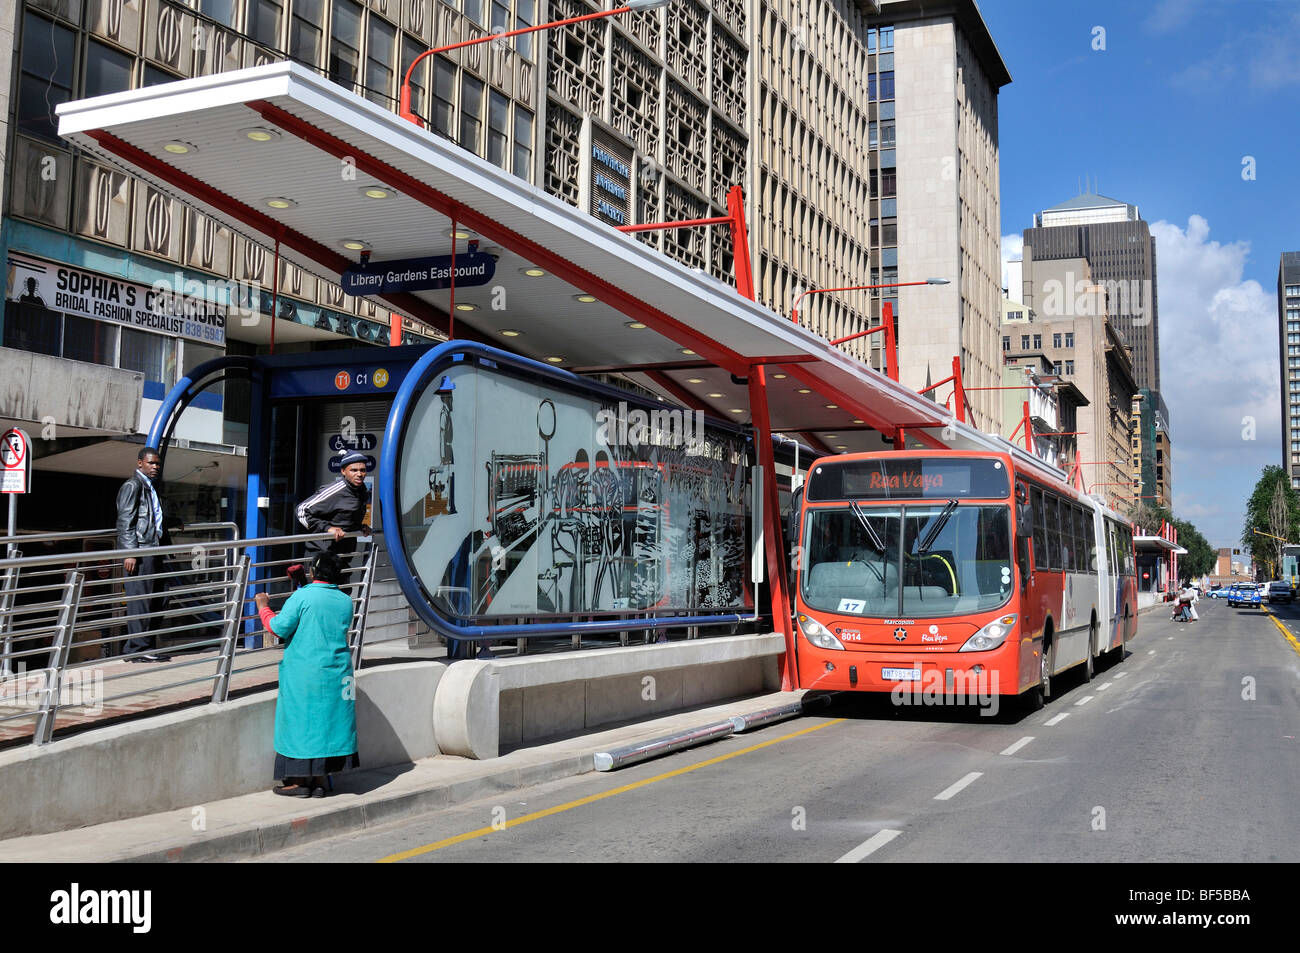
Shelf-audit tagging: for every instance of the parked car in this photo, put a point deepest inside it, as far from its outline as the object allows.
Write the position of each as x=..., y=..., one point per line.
x=1279, y=592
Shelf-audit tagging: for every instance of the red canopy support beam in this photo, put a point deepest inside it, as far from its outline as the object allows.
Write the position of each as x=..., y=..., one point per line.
x=476, y=221
x=958, y=390
x=771, y=503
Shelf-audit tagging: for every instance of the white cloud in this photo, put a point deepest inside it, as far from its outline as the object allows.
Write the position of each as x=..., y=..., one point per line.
x=1219, y=372
x=1258, y=52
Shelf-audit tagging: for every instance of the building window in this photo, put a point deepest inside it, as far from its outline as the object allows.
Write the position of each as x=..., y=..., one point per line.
x=498, y=134
x=107, y=70
x=1069, y=367
x=523, y=144
x=379, y=62
x=223, y=11
x=889, y=208
x=151, y=354
x=887, y=140
x=1069, y=339
x=49, y=56
x=444, y=96
x=1056, y=368
x=94, y=342
x=525, y=16
x=1024, y=342
x=1056, y=340
x=305, y=31
x=345, y=43
x=1038, y=342
x=471, y=113
x=474, y=11
x=872, y=141
x=888, y=182
x=1006, y=343
x=411, y=49
x=264, y=22
x=1292, y=290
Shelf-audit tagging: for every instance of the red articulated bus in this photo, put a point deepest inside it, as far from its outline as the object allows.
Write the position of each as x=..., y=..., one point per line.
x=956, y=575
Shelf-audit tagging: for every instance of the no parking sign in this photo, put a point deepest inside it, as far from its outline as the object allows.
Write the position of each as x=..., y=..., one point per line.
x=16, y=462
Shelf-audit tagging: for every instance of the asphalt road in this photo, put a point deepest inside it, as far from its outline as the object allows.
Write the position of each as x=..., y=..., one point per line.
x=1185, y=751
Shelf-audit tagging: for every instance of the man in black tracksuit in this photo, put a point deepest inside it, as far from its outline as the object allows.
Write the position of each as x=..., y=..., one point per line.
x=338, y=508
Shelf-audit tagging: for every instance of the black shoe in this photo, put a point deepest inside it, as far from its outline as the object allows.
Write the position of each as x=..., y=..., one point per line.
x=317, y=792
x=292, y=790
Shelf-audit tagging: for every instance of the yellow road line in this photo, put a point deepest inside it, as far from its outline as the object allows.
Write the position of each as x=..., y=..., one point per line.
x=559, y=808
x=1289, y=637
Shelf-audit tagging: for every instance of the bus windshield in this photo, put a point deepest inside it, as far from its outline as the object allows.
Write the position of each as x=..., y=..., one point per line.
x=915, y=560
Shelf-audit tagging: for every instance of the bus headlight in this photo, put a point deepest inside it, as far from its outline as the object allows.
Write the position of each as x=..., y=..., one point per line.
x=991, y=636
x=816, y=633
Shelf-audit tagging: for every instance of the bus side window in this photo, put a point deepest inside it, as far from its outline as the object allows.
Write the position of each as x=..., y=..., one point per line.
x=1040, y=530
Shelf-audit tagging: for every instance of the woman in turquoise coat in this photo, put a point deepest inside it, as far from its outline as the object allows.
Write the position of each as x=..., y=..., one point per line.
x=315, y=714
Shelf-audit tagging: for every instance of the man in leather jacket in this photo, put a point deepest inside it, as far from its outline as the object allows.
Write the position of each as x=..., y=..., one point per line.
x=139, y=526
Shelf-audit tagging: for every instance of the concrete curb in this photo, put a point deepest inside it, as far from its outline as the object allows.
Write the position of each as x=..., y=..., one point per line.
x=253, y=825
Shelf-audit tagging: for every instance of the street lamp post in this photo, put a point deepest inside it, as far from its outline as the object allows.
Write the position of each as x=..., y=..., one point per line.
x=632, y=6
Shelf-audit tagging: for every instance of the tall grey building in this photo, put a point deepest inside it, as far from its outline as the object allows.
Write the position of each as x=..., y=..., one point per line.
x=1119, y=248
x=1118, y=245
x=1288, y=324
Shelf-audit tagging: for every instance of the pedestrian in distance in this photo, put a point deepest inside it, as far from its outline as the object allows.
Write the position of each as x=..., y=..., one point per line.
x=140, y=526
x=315, y=713
x=337, y=508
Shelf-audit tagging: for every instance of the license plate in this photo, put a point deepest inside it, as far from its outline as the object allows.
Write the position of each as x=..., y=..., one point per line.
x=901, y=674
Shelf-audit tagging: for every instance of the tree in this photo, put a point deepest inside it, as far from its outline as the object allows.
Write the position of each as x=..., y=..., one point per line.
x=1200, y=558
x=1273, y=508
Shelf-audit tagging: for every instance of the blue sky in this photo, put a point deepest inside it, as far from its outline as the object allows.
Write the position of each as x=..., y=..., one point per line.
x=1182, y=99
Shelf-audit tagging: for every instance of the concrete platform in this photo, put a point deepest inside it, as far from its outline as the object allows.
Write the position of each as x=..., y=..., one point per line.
x=252, y=825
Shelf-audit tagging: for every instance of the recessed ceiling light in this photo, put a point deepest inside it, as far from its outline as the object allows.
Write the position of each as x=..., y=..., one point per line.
x=555, y=360
x=585, y=298
x=778, y=377
x=635, y=325
x=858, y=420
x=279, y=201
x=804, y=390
x=458, y=233
x=715, y=395
x=832, y=406
x=832, y=436
x=178, y=148
x=376, y=192
x=466, y=307
x=736, y=410
x=355, y=244
x=695, y=380
x=687, y=350
x=841, y=447
x=510, y=332
x=532, y=272
x=260, y=134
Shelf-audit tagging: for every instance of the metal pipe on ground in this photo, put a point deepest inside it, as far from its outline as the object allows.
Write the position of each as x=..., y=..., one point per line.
x=635, y=754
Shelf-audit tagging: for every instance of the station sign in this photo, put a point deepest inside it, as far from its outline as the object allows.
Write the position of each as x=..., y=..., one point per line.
x=15, y=462
x=610, y=169
x=473, y=268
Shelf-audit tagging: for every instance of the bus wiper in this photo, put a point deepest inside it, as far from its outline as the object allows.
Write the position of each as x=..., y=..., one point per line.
x=937, y=523
x=876, y=541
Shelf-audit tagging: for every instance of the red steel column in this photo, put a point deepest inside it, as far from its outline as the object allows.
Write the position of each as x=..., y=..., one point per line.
x=772, y=521
x=891, y=341
x=740, y=242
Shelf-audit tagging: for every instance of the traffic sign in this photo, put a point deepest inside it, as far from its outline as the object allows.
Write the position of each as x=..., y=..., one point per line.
x=15, y=462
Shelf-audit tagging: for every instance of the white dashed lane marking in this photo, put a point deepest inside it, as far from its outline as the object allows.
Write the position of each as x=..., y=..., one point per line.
x=1012, y=749
x=870, y=845
x=1056, y=719
x=947, y=793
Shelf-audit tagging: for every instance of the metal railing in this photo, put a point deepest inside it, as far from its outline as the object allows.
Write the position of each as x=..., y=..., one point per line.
x=62, y=616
